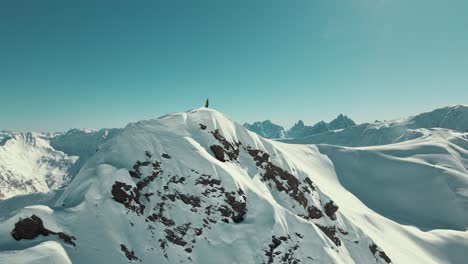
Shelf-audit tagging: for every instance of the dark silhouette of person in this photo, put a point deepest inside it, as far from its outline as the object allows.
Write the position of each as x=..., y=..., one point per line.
x=207, y=103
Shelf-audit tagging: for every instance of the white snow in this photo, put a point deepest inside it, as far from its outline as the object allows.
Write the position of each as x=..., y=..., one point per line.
x=42, y=162
x=409, y=198
x=49, y=252
x=29, y=164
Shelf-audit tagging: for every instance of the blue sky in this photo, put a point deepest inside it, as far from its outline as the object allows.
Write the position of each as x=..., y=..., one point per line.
x=94, y=64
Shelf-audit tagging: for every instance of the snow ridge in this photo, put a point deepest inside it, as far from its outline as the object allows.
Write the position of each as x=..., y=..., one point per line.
x=29, y=164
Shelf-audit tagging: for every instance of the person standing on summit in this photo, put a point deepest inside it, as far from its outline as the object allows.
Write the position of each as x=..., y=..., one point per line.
x=207, y=103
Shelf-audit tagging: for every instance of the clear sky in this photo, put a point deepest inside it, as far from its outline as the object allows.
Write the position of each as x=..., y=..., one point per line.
x=94, y=64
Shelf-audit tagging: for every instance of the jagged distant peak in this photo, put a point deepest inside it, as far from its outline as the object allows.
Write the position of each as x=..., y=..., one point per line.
x=340, y=122
x=453, y=118
x=266, y=129
x=299, y=123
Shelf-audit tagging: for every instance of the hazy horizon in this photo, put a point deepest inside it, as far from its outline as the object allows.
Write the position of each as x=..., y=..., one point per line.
x=240, y=122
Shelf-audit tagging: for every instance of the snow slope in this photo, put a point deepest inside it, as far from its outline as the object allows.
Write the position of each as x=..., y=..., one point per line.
x=82, y=143
x=40, y=162
x=196, y=187
x=389, y=132
x=421, y=182
x=28, y=164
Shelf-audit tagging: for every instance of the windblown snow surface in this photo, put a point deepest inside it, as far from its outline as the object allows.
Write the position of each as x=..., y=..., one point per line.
x=196, y=187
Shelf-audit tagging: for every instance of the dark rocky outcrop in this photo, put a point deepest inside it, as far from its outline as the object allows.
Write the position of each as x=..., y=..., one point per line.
x=239, y=207
x=330, y=209
x=129, y=254
x=330, y=232
x=230, y=149
x=128, y=196
x=375, y=249
x=228, y=206
x=135, y=173
x=32, y=227
x=218, y=152
x=312, y=213
x=286, y=182
x=287, y=256
x=156, y=171
x=275, y=242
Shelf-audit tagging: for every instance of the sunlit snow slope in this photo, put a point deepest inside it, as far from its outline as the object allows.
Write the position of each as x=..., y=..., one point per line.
x=196, y=187
x=40, y=162
x=29, y=164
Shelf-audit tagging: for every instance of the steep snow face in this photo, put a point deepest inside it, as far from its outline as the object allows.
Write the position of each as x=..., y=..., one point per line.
x=28, y=164
x=194, y=187
x=421, y=182
x=266, y=129
x=390, y=132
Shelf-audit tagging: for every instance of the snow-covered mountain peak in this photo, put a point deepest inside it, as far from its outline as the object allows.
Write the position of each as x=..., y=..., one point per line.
x=29, y=164
x=185, y=123
x=197, y=187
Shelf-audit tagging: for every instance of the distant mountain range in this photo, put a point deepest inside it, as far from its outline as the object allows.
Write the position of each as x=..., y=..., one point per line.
x=454, y=118
x=267, y=129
